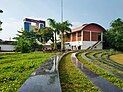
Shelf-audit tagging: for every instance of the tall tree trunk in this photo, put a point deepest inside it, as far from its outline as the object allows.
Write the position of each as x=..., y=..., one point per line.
x=62, y=42
x=55, y=46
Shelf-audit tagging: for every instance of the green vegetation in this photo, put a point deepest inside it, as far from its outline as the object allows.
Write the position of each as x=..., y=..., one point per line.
x=104, y=73
x=1, y=11
x=72, y=79
x=26, y=42
x=118, y=58
x=15, y=68
x=45, y=34
x=107, y=65
x=57, y=27
x=109, y=62
x=114, y=36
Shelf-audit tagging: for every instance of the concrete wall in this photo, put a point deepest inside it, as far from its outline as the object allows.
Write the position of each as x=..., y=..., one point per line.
x=87, y=44
x=7, y=47
x=99, y=46
x=84, y=45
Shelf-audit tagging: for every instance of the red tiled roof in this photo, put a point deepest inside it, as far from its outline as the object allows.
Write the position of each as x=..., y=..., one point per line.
x=83, y=26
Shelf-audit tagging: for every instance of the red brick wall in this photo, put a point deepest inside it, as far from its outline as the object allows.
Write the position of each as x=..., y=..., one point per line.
x=74, y=37
x=79, y=36
x=86, y=36
x=94, y=36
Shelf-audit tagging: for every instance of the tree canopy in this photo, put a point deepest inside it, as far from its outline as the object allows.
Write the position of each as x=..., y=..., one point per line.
x=55, y=29
x=45, y=34
x=0, y=21
x=59, y=27
x=114, y=36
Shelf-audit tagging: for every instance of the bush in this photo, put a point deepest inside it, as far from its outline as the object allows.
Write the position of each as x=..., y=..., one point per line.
x=26, y=42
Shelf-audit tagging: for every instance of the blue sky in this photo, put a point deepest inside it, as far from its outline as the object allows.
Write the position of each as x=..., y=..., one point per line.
x=76, y=11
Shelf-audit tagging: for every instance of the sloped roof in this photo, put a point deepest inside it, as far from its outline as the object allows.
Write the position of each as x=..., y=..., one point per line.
x=83, y=26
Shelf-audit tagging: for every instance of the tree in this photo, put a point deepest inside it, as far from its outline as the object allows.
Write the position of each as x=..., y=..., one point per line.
x=0, y=21
x=55, y=28
x=1, y=11
x=26, y=42
x=45, y=34
x=0, y=25
x=64, y=29
x=114, y=36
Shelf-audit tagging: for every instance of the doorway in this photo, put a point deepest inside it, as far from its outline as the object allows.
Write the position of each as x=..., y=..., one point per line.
x=99, y=36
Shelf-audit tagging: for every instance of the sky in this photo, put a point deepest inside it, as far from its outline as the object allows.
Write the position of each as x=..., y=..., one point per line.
x=77, y=12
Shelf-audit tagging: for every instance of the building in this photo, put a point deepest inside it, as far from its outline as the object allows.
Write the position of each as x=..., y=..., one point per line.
x=32, y=24
x=7, y=46
x=85, y=36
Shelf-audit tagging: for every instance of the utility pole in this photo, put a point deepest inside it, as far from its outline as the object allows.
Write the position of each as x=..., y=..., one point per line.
x=62, y=33
x=62, y=11
x=0, y=20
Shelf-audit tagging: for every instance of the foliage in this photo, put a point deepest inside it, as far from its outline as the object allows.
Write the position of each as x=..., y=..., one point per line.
x=26, y=41
x=0, y=25
x=15, y=68
x=104, y=73
x=1, y=11
x=45, y=34
x=59, y=27
x=72, y=80
x=55, y=27
x=102, y=61
x=114, y=36
x=64, y=27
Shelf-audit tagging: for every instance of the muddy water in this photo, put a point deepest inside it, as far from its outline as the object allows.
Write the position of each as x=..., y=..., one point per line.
x=44, y=79
x=101, y=83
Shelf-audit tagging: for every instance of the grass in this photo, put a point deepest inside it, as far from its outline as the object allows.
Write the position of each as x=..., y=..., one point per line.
x=96, y=54
x=110, y=62
x=16, y=68
x=72, y=79
x=105, y=74
x=103, y=64
x=117, y=58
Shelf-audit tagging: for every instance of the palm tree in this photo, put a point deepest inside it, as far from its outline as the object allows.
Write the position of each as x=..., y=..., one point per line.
x=64, y=29
x=45, y=34
x=55, y=27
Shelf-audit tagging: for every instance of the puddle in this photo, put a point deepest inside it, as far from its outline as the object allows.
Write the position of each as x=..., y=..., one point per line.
x=44, y=79
x=101, y=83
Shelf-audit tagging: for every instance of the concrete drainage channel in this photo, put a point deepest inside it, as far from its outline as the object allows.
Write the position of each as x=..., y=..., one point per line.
x=44, y=79
x=101, y=83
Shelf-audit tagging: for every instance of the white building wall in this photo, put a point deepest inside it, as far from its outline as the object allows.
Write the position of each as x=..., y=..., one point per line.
x=7, y=47
x=99, y=46
x=83, y=44
x=87, y=44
